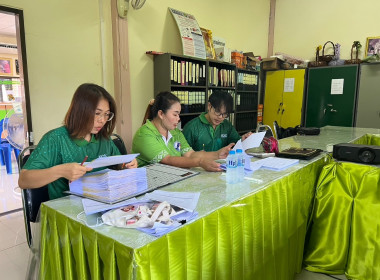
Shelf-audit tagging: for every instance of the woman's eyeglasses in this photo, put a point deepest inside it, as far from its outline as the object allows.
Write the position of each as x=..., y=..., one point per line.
x=105, y=116
x=219, y=114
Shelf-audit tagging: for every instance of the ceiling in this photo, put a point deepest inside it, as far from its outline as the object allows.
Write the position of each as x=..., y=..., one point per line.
x=7, y=28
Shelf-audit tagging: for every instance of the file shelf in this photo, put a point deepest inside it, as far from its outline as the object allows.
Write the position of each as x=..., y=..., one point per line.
x=193, y=80
x=247, y=99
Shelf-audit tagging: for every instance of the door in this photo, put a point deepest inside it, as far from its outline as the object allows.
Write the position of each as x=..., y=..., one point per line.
x=331, y=96
x=294, y=81
x=274, y=84
x=317, y=88
x=340, y=109
x=368, y=112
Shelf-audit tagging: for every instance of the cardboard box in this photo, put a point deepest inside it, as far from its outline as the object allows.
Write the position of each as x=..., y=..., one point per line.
x=271, y=63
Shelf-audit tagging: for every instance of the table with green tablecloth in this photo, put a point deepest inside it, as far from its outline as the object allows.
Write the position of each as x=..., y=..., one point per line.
x=251, y=230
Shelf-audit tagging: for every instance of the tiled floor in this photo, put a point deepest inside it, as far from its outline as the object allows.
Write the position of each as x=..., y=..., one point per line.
x=10, y=197
x=14, y=251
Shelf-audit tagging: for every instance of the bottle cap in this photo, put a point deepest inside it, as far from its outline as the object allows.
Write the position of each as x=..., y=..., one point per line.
x=239, y=151
x=232, y=152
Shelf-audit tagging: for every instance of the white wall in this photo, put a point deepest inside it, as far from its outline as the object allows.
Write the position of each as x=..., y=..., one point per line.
x=243, y=23
x=63, y=45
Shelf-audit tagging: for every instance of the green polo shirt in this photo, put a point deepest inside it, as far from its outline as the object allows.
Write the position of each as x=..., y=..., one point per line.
x=56, y=147
x=200, y=134
x=152, y=148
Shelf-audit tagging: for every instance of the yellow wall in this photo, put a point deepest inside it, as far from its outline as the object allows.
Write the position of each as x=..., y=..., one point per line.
x=243, y=24
x=63, y=47
x=303, y=25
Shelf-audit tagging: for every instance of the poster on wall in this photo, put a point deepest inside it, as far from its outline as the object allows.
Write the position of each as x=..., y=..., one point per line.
x=191, y=35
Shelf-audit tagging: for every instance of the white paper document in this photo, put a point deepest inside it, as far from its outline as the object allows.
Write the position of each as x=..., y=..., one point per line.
x=253, y=141
x=337, y=86
x=185, y=200
x=108, y=161
x=274, y=163
x=289, y=85
x=111, y=186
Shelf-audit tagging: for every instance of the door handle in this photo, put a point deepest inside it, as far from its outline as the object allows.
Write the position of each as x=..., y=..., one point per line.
x=334, y=111
x=324, y=111
x=330, y=105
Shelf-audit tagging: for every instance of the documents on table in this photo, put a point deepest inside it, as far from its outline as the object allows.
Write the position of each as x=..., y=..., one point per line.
x=185, y=200
x=108, y=161
x=253, y=141
x=111, y=186
x=274, y=163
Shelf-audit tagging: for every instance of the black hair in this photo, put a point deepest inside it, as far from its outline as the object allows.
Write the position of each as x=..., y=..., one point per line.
x=220, y=98
x=163, y=101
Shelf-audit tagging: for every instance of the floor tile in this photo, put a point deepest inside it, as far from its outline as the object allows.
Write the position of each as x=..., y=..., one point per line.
x=14, y=262
x=10, y=193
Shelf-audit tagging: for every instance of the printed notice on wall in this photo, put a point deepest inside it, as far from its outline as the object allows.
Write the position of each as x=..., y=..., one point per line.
x=289, y=85
x=191, y=34
x=337, y=86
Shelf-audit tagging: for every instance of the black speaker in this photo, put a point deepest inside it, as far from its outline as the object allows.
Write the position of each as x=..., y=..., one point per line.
x=357, y=153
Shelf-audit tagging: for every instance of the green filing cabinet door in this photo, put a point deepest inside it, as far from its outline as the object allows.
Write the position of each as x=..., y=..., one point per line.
x=274, y=85
x=326, y=106
x=340, y=111
x=293, y=98
x=317, y=93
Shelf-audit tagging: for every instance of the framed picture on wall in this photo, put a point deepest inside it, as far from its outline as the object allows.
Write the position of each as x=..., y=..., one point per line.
x=5, y=66
x=372, y=46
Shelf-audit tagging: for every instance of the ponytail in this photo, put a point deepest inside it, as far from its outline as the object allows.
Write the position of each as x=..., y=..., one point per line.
x=148, y=112
x=163, y=101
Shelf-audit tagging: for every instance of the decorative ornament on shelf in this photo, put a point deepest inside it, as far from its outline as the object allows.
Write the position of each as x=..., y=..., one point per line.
x=355, y=46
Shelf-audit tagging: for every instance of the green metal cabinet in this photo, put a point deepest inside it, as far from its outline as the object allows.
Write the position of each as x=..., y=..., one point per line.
x=331, y=96
x=368, y=113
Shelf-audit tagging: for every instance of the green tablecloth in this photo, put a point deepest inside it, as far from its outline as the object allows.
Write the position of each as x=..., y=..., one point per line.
x=345, y=228
x=244, y=231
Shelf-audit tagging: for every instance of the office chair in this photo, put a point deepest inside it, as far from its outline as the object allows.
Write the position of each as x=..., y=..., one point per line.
x=31, y=198
x=118, y=141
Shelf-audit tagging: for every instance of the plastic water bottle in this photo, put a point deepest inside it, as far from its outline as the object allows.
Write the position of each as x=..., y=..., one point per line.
x=231, y=168
x=240, y=165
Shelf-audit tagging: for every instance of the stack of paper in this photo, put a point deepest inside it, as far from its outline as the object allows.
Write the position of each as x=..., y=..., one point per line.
x=274, y=163
x=110, y=185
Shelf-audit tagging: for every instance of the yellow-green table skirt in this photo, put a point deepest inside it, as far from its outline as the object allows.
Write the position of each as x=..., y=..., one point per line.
x=261, y=236
x=345, y=228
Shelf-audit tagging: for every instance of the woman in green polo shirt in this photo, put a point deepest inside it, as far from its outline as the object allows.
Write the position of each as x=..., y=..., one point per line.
x=211, y=131
x=86, y=132
x=158, y=140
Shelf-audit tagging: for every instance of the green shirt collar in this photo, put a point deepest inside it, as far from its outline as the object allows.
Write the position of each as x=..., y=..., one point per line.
x=82, y=142
x=153, y=128
x=203, y=118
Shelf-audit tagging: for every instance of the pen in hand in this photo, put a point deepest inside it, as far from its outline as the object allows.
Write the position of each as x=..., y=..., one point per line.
x=85, y=158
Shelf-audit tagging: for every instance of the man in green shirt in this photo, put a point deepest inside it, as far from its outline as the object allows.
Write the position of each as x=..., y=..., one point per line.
x=211, y=131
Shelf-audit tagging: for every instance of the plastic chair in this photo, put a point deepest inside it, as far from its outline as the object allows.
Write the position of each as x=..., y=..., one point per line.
x=118, y=141
x=31, y=198
x=6, y=151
